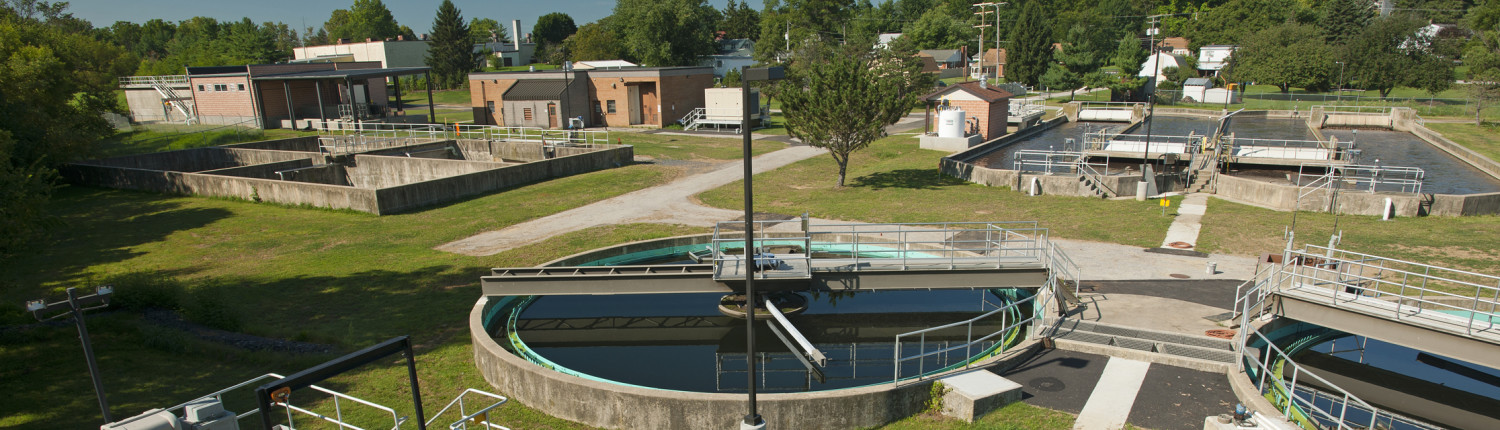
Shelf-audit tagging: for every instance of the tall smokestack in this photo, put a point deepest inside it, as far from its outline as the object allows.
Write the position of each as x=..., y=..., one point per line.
x=515, y=34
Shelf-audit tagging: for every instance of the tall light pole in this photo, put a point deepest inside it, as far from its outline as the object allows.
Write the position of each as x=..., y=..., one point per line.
x=1341, y=82
x=752, y=420
x=1151, y=114
x=74, y=306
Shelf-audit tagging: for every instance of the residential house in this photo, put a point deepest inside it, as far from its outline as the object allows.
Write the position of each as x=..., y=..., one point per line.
x=1175, y=46
x=945, y=58
x=633, y=96
x=1156, y=65
x=1213, y=58
x=992, y=62
x=883, y=40
x=732, y=54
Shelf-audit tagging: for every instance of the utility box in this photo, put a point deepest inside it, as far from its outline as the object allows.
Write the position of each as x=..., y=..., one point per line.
x=724, y=104
x=209, y=414
x=155, y=419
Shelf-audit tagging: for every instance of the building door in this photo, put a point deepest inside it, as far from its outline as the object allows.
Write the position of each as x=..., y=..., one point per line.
x=551, y=115
x=633, y=98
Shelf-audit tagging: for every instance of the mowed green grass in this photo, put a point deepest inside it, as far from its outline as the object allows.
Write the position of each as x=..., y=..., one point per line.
x=1484, y=139
x=681, y=147
x=1015, y=416
x=1467, y=243
x=335, y=277
x=895, y=181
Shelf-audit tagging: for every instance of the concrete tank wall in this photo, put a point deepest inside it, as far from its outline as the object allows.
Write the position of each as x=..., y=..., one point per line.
x=377, y=171
x=304, y=144
x=269, y=190
x=262, y=171
x=429, y=192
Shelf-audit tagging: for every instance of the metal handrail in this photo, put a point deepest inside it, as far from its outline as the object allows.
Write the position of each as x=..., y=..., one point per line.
x=1405, y=179
x=153, y=80
x=1339, y=270
x=338, y=417
x=466, y=418
x=967, y=346
x=1263, y=367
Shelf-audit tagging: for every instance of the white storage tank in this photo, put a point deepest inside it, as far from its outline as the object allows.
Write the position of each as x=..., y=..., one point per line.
x=951, y=123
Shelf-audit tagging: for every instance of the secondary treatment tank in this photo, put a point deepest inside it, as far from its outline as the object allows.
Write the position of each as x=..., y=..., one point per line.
x=951, y=123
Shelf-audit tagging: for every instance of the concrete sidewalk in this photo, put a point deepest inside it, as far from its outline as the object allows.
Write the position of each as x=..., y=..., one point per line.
x=668, y=204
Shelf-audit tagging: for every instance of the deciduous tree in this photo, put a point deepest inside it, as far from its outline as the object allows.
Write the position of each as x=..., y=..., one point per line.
x=595, y=41
x=1389, y=53
x=1287, y=55
x=666, y=32
x=487, y=30
x=365, y=19
x=844, y=103
x=552, y=28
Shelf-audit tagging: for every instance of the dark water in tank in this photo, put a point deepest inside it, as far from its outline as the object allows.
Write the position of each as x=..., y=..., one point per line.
x=1408, y=371
x=681, y=341
x=1445, y=174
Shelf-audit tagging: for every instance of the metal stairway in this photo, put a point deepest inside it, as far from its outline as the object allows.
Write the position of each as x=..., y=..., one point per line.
x=162, y=84
x=691, y=120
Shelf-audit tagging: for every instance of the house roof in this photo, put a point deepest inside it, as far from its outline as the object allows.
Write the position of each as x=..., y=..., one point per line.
x=1174, y=43
x=536, y=89
x=942, y=55
x=929, y=65
x=990, y=54
x=1200, y=82
x=736, y=47
x=988, y=94
x=603, y=64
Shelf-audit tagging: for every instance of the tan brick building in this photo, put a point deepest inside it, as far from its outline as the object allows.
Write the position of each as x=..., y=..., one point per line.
x=989, y=106
x=642, y=96
x=296, y=95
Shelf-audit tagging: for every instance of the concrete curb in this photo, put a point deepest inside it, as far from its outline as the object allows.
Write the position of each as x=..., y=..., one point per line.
x=1150, y=357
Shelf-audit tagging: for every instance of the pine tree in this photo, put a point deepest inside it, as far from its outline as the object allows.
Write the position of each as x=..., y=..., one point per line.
x=451, y=52
x=1031, y=46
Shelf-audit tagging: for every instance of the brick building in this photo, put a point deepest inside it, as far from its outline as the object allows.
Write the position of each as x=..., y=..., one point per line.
x=293, y=95
x=989, y=105
x=642, y=96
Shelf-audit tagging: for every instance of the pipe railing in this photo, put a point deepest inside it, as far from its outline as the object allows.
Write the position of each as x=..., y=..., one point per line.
x=1283, y=393
x=154, y=80
x=1420, y=287
x=1361, y=178
x=480, y=417
x=970, y=342
x=336, y=418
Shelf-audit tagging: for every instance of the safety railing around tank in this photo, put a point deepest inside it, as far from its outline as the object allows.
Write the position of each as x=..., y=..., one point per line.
x=1312, y=177
x=1356, y=110
x=565, y=137
x=1011, y=321
x=480, y=417
x=1405, y=290
x=1107, y=105
x=952, y=244
x=1134, y=143
x=1046, y=162
x=1326, y=406
x=337, y=416
x=767, y=249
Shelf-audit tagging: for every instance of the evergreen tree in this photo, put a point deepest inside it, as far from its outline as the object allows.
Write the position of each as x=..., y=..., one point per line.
x=740, y=21
x=1031, y=46
x=451, y=50
x=1129, y=56
x=1342, y=19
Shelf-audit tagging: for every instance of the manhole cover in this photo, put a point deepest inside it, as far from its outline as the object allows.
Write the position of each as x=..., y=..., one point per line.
x=1221, y=333
x=1179, y=276
x=1180, y=245
x=1048, y=384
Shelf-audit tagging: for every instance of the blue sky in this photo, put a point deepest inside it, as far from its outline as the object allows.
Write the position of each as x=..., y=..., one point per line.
x=416, y=14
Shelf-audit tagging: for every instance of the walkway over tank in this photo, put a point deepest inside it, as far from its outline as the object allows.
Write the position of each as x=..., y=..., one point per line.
x=825, y=257
x=1429, y=308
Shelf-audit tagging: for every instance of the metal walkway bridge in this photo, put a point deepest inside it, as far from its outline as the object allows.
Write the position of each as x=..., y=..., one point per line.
x=822, y=257
x=1439, y=310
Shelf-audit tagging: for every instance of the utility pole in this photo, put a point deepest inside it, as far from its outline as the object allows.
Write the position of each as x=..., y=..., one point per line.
x=981, y=13
x=1151, y=103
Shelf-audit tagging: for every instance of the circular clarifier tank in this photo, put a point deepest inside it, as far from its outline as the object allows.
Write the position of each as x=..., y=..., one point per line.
x=680, y=353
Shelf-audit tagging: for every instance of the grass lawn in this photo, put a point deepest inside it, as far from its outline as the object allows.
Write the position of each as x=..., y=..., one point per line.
x=894, y=181
x=538, y=66
x=337, y=277
x=676, y=147
x=1015, y=416
x=1484, y=139
x=156, y=138
x=1466, y=243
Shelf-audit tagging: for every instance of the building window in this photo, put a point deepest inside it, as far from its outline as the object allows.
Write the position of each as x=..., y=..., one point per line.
x=609, y=106
x=526, y=114
x=489, y=107
x=221, y=87
x=200, y=88
x=240, y=87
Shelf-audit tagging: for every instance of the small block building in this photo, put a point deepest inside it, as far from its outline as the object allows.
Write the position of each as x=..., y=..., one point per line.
x=627, y=97
x=987, y=106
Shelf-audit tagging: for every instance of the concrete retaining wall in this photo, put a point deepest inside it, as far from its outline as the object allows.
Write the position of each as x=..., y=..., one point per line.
x=262, y=171
x=378, y=171
x=1481, y=162
x=270, y=190
x=303, y=144
x=425, y=193
x=1284, y=198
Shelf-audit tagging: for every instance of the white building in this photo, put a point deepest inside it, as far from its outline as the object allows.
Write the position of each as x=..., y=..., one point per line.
x=732, y=54
x=1213, y=58
x=1157, y=64
x=603, y=65
x=883, y=40
x=393, y=53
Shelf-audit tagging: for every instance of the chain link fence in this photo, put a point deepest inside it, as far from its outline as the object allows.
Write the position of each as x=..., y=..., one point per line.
x=1425, y=106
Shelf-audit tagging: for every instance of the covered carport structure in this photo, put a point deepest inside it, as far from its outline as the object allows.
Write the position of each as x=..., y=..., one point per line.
x=348, y=94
